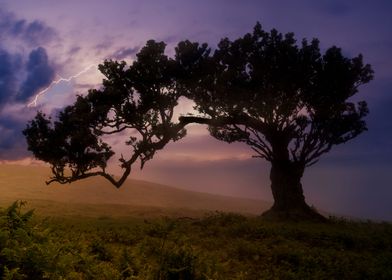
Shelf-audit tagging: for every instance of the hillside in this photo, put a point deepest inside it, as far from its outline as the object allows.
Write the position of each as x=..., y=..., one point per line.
x=96, y=197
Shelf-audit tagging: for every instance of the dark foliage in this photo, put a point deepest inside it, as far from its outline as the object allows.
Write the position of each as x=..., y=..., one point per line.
x=218, y=246
x=139, y=100
x=289, y=102
x=265, y=90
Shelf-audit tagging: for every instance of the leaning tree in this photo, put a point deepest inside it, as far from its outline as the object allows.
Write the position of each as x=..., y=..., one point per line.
x=136, y=101
x=289, y=102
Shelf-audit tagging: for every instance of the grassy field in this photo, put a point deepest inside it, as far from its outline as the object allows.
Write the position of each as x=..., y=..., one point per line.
x=90, y=230
x=216, y=246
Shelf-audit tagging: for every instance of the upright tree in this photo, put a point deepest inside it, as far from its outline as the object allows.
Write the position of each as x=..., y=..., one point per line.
x=289, y=102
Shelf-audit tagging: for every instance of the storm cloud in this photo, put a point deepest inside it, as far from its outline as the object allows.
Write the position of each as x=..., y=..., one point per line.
x=40, y=74
x=25, y=68
x=10, y=65
x=34, y=33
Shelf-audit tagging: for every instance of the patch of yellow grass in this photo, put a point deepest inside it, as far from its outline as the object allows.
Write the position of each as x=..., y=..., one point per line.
x=97, y=197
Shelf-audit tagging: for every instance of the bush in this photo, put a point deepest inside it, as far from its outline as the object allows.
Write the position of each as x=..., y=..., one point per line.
x=21, y=256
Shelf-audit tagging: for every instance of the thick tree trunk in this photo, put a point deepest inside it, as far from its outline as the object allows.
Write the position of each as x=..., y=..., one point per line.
x=286, y=186
x=289, y=200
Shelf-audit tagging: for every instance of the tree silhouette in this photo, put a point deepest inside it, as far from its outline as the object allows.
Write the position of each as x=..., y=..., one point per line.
x=138, y=100
x=287, y=101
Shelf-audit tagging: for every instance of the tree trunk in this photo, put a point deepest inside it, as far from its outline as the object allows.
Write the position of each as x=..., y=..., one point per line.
x=289, y=200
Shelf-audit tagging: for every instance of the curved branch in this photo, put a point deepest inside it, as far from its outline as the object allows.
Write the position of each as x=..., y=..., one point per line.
x=242, y=119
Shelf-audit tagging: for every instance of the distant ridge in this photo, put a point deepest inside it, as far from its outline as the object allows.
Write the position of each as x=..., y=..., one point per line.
x=97, y=197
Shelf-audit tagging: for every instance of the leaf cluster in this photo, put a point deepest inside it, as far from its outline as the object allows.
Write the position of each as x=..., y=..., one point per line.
x=272, y=93
x=137, y=101
x=288, y=101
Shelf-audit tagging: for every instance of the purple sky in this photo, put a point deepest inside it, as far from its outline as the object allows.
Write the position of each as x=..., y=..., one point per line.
x=41, y=41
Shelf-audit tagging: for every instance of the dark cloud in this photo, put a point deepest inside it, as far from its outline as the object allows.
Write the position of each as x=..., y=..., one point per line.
x=33, y=33
x=14, y=66
x=40, y=74
x=8, y=137
x=12, y=143
x=38, y=33
x=38, y=70
x=21, y=77
x=9, y=66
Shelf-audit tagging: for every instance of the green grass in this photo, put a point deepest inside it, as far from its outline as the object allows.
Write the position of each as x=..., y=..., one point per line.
x=216, y=246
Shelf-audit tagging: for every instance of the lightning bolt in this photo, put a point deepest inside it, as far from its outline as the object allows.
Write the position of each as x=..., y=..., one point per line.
x=61, y=79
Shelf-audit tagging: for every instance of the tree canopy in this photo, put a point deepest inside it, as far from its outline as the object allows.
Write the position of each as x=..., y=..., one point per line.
x=138, y=100
x=281, y=92
x=288, y=101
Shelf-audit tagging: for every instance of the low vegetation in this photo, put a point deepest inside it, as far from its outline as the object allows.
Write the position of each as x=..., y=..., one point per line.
x=218, y=246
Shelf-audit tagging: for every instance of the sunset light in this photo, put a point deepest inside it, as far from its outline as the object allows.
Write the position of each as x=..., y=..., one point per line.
x=195, y=139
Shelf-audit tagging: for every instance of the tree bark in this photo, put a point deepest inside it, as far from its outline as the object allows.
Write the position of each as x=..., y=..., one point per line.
x=289, y=200
x=286, y=186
